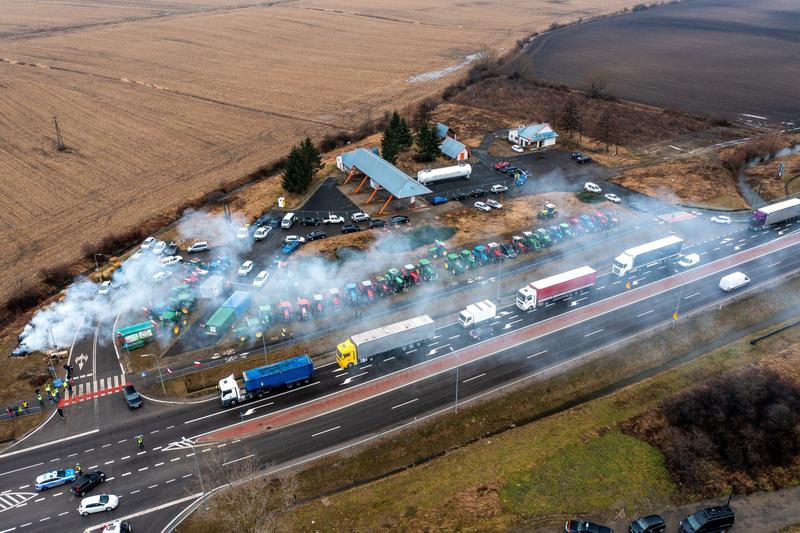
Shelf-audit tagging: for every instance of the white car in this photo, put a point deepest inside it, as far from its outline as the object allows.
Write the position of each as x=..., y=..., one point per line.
x=721, y=219
x=243, y=232
x=171, y=260
x=158, y=247
x=161, y=276
x=480, y=206
x=96, y=504
x=498, y=188
x=246, y=268
x=517, y=148
x=613, y=198
x=261, y=279
x=200, y=246
x=262, y=233
x=105, y=288
x=359, y=217
x=135, y=256
x=689, y=260
x=494, y=204
x=117, y=526
x=592, y=187
x=333, y=219
x=147, y=243
x=292, y=238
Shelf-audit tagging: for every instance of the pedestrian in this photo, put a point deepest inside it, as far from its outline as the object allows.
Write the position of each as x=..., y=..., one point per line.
x=55, y=396
x=25, y=405
x=140, y=442
x=19, y=411
x=70, y=388
x=39, y=397
x=10, y=412
x=50, y=397
x=61, y=413
x=65, y=385
x=78, y=468
x=47, y=387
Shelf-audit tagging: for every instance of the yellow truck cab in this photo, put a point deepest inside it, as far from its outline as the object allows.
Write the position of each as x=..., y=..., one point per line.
x=380, y=342
x=346, y=354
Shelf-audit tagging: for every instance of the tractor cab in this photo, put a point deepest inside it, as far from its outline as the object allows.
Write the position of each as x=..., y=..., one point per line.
x=265, y=314
x=437, y=250
x=396, y=280
x=481, y=254
x=351, y=293
x=566, y=230
x=335, y=299
x=410, y=274
x=548, y=212
x=366, y=290
x=519, y=244
x=495, y=254
x=285, y=310
x=531, y=240
x=318, y=306
x=426, y=270
x=453, y=263
x=468, y=259
x=555, y=232
x=381, y=286
x=587, y=221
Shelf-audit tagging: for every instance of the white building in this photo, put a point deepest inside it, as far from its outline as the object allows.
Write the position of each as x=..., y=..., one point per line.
x=533, y=136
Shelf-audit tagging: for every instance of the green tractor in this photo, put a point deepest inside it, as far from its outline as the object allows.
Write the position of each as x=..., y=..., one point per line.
x=548, y=212
x=249, y=328
x=468, y=259
x=531, y=240
x=265, y=315
x=395, y=279
x=437, y=250
x=566, y=230
x=453, y=263
x=544, y=237
x=426, y=271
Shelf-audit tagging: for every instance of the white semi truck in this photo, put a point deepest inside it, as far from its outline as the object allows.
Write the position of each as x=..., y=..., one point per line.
x=380, y=342
x=648, y=254
x=556, y=287
x=432, y=175
x=476, y=313
x=776, y=213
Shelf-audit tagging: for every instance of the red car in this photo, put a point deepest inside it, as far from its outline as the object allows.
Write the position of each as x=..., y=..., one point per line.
x=501, y=164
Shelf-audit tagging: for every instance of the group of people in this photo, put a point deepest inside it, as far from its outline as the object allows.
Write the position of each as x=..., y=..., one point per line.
x=53, y=395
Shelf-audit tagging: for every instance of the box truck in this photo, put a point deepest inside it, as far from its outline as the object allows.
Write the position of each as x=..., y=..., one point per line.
x=474, y=314
x=648, y=254
x=380, y=342
x=768, y=215
x=555, y=287
x=261, y=380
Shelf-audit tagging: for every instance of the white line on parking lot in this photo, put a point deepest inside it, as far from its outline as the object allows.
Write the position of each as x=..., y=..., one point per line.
x=405, y=403
x=126, y=474
x=645, y=313
x=537, y=353
x=474, y=377
x=106, y=445
x=592, y=333
x=176, y=459
x=158, y=464
x=135, y=491
x=144, y=468
x=603, y=287
x=326, y=431
x=109, y=462
x=153, y=486
x=58, y=494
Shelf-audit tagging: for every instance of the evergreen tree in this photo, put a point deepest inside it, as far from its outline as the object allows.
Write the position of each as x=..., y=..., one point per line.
x=606, y=128
x=311, y=155
x=570, y=116
x=427, y=143
x=389, y=146
x=404, y=139
x=295, y=173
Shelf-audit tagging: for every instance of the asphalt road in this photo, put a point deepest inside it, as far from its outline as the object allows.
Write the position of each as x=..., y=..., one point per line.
x=101, y=433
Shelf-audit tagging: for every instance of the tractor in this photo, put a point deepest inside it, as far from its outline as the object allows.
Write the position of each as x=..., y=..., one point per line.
x=410, y=274
x=548, y=212
x=587, y=221
x=566, y=230
x=396, y=280
x=481, y=254
x=602, y=220
x=555, y=232
x=285, y=310
x=531, y=241
x=351, y=293
x=265, y=314
x=468, y=259
x=303, y=308
x=453, y=263
x=519, y=244
x=437, y=250
x=247, y=329
x=318, y=306
x=335, y=299
x=381, y=286
x=426, y=270
x=544, y=237
x=495, y=254
x=367, y=291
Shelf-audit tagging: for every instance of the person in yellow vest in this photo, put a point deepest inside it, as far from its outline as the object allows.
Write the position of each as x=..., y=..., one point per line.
x=25, y=405
x=47, y=387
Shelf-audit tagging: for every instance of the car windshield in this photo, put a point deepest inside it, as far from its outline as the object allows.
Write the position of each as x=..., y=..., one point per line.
x=60, y=473
x=693, y=522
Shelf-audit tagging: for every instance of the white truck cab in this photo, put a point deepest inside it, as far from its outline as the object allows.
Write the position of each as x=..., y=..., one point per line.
x=229, y=392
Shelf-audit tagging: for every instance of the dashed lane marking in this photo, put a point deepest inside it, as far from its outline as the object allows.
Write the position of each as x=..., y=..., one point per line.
x=405, y=403
x=537, y=353
x=474, y=377
x=325, y=431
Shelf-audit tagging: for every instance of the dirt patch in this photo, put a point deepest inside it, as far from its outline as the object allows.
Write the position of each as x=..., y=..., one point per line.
x=764, y=177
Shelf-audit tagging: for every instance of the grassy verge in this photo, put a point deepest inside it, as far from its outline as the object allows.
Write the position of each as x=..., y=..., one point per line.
x=497, y=481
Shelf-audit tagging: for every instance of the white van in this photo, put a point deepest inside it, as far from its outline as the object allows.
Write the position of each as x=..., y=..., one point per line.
x=287, y=221
x=731, y=282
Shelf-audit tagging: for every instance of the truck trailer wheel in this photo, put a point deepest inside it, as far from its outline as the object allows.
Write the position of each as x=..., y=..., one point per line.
x=349, y=365
x=232, y=403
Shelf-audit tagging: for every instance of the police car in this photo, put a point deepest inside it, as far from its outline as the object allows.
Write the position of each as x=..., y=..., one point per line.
x=55, y=478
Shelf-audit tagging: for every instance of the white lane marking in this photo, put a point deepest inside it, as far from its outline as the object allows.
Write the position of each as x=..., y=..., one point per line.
x=23, y=468
x=126, y=457
x=72, y=454
x=58, y=494
x=645, y=313
x=603, y=287
x=154, y=431
x=405, y=403
x=169, y=481
x=110, y=479
x=222, y=445
x=170, y=427
x=158, y=464
x=239, y=459
x=23, y=487
x=44, y=519
x=142, y=453
x=106, y=445
x=537, y=353
x=54, y=460
x=617, y=282
x=121, y=441
x=254, y=409
x=715, y=249
x=430, y=344
x=176, y=459
x=144, y=468
x=593, y=333
x=62, y=514
x=126, y=474
x=453, y=337
x=38, y=500
x=692, y=295
x=389, y=358
x=516, y=321
x=156, y=448
x=351, y=378
x=580, y=300
x=153, y=486
x=774, y=264
x=135, y=491
x=326, y=431
x=89, y=450
x=92, y=467
x=411, y=351
x=185, y=476
x=474, y=377
x=109, y=462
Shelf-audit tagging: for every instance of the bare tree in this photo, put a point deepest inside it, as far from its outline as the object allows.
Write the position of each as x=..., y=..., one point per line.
x=485, y=55
x=571, y=116
x=598, y=84
x=519, y=67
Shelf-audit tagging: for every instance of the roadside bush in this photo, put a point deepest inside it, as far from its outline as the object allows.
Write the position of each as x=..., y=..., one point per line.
x=589, y=197
x=24, y=300
x=58, y=276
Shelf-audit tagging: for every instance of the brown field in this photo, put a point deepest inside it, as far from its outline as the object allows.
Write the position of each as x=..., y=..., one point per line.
x=162, y=102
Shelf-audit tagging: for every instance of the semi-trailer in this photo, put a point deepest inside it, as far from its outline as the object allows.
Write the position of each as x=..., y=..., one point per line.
x=476, y=313
x=648, y=254
x=432, y=175
x=555, y=288
x=263, y=379
x=380, y=342
x=768, y=215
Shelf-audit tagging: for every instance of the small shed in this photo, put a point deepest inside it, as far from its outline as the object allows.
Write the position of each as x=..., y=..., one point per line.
x=533, y=135
x=454, y=149
x=443, y=131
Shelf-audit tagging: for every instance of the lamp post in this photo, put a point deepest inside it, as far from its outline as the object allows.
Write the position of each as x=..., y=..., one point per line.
x=197, y=466
x=96, y=264
x=264, y=344
x=161, y=379
x=458, y=364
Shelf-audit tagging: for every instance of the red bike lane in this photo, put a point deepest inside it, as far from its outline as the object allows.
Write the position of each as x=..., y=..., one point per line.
x=401, y=378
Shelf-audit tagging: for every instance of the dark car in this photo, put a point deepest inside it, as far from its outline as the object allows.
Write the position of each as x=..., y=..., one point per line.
x=349, y=228
x=316, y=234
x=477, y=192
x=171, y=249
x=133, y=398
x=274, y=221
x=580, y=158
x=508, y=250
x=710, y=520
x=87, y=482
x=310, y=221
x=508, y=170
x=481, y=332
x=638, y=207
x=438, y=200
x=262, y=220
x=377, y=223
x=584, y=526
x=648, y=524
x=398, y=220
x=459, y=195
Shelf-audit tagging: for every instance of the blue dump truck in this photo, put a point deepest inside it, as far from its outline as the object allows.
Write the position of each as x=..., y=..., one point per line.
x=264, y=379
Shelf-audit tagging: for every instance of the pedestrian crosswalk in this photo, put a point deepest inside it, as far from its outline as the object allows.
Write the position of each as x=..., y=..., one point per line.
x=9, y=500
x=676, y=216
x=88, y=390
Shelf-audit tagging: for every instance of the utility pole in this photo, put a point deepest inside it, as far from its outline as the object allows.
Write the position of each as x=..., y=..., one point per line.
x=59, y=139
x=197, y=466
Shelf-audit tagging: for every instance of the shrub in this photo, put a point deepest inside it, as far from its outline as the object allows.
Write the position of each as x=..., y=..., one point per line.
x=24, y=300
x=57, y=276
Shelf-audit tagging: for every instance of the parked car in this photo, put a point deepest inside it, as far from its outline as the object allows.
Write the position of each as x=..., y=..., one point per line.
x=721, y=219
x=243, y=232
x=200, y=246
x=104, y=289
x=359, y=217
x=494, y=204
x=648, y=524
x=161, y=276
x=689, y=260
x=247, y=267
x=310, y=221
x=147, y=243
x=581, y=158
x=132, y=398
x=290, y=247
x=613, y=198
x=398, y=220
x=261, y=279
x=710, y=520
x=262, y=233
x=500, y=165
x=316, y=234
x=517, y=148
x=638, y=207
x=333, y=219
x=171, y=248
x=458, y=196
x=508, y=250
x=377, y=223
x=439, y=200
x=54, y=478
x=349, y=228
x=584, y=526
x=87, y=482
x=292, y=238
x=98, y=504
x=171, y=260
x=158, y=247
x=480, y=206
x=274, y=221
x=508, y=170
x=592, y=187
x=118, y=526
x=477, y=192
x=498, y=188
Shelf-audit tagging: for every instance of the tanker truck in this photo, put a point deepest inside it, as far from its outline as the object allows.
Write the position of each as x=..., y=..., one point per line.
x=432, y=175
x=381, y=342
x=555, y=288
x=648, y=254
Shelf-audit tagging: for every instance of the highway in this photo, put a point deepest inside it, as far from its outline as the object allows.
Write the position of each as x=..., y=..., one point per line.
x=100, y=432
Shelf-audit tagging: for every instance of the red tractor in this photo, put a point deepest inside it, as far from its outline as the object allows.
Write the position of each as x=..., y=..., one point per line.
x=381, y=287
x=366, y=290
x=335, y=299
x=318, y=304
x=285, y=311
x=495, y=253
x=410, y=274
x=303, y=309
